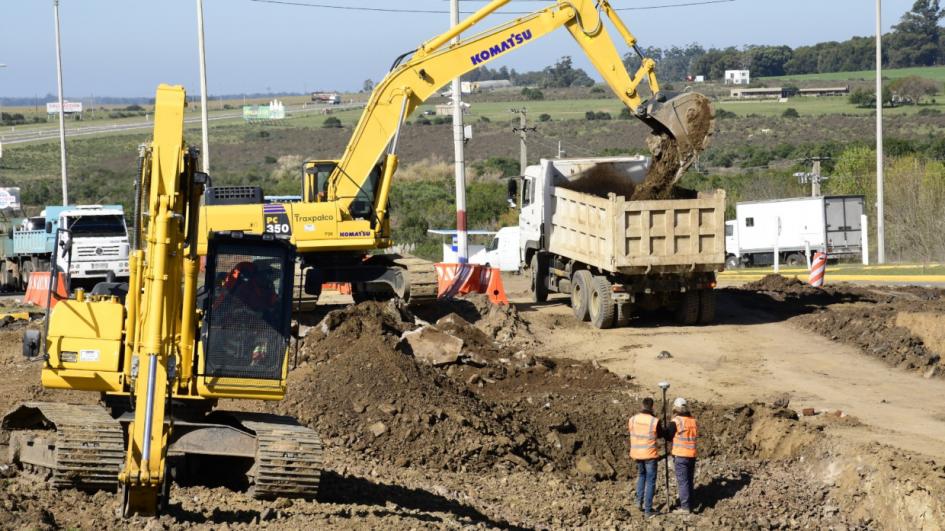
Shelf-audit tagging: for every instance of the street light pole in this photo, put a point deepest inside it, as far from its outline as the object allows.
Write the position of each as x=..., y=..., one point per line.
x=205, y=150
x=62, y=110
x=462, y=251
x=880, y=221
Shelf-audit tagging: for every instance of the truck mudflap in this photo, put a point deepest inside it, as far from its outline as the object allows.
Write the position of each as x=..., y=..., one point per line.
x=74, y=446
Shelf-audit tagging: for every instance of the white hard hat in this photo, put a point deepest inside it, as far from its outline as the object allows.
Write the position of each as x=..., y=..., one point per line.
x=680, y=403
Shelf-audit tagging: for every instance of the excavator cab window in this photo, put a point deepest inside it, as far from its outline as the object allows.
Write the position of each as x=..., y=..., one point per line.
x=246, y=325
x=363, y=205
x=320, y=173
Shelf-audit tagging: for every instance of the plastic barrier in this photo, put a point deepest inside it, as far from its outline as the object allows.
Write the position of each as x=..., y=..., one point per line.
x=344, y=288
x=37, y=291
x=453, y=280
x=818, y=269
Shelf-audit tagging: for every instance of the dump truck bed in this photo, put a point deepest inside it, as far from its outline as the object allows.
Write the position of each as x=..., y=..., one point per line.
x=634, y=237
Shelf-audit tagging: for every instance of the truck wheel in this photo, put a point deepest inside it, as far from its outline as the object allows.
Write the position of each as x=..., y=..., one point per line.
x=732, y=262
x=6, y=276
x=795, y=259
x=581, y=286
x=539, y=286
x=706, y=306
x=601, y=306
x=26, y=267
x=687, y=313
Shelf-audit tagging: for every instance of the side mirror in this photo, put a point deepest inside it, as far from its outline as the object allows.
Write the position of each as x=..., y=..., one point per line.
x=49, y=227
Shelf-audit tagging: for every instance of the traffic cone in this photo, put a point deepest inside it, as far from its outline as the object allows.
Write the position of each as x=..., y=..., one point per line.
x=496, y=290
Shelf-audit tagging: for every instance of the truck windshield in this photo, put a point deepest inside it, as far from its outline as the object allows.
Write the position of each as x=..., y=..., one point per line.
x=98, y=226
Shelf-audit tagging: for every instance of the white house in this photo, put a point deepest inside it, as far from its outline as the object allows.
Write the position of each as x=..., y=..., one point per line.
x=737, y=77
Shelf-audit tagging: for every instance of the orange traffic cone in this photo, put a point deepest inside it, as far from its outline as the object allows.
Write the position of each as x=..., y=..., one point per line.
x=496, y=290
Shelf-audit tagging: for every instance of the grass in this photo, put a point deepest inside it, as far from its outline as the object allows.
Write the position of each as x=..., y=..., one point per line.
x=891, y=270
x=817, y=106
x=936, y=73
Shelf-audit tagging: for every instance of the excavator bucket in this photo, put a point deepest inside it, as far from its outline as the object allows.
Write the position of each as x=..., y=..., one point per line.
x=688, y=117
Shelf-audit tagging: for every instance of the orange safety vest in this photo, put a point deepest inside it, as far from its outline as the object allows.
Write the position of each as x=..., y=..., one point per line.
x=642, y=428
x=684, y=442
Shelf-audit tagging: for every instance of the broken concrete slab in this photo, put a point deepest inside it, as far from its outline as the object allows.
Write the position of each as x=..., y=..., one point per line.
x=433, y=346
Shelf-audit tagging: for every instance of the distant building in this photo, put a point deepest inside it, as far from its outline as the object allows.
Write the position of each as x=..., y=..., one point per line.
x=758, y=93
x=827, y=91
x=492, y=84
x=446, y=109
x=737, y=77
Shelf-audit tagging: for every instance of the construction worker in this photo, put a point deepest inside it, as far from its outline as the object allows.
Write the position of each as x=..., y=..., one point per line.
x=683, y=432
x=644, y=430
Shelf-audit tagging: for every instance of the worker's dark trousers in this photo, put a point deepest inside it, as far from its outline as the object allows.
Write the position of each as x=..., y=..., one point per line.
x=685, y=478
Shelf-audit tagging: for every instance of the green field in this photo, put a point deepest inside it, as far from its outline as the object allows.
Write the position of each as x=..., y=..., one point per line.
x=936, y=73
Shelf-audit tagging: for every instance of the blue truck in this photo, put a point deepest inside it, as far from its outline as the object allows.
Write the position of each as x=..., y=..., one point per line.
x=99, y=243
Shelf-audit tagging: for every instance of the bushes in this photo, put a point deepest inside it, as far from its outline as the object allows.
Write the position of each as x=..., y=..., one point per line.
x=533, y=94
x=599, y=115
x=331, y=122
x=790, y=112
x=544, y=117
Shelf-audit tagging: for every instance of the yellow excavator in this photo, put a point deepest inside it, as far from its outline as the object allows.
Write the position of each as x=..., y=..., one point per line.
x=181, y=340
x=342, y=219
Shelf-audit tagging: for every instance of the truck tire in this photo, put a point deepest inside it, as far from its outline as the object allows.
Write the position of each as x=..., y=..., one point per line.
x=6, y=276
x=582, y=283
x=26, y=267
x=795, y=259
x=539, y=286
x=706, y=306
x=687, y=313
x=733, y=262
x=601, y=304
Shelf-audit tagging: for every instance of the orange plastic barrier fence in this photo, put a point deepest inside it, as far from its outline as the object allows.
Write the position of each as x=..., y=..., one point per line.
x=453, y=280
x=37, y=290
x=343, y=288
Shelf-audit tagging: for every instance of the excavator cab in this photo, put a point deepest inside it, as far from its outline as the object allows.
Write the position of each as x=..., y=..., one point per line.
x=247, y=313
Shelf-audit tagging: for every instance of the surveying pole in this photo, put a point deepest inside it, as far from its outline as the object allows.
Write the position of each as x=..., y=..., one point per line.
x=664, y=386
x=462, y=250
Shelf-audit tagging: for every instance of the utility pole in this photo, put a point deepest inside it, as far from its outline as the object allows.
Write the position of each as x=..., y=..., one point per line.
x=522, y=131
x=815, y=179
x=462, y=251
x=880, y=221
x=62, y=110
x=205, y=147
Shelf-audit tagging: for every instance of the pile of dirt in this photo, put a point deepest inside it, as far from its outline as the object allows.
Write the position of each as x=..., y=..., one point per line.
x=360, y=387
x=895, y=324
x=874, y=330
x=502, y=323
x=780, y=285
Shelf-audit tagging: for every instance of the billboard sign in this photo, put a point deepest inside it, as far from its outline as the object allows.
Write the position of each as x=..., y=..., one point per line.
x=70, y=107
x=10, y=198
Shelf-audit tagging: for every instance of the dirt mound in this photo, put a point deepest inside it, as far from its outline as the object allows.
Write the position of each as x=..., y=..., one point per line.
x=775, y=283
x=360, y=387
x=875, y=331
x=500, y=322
x=900, y=325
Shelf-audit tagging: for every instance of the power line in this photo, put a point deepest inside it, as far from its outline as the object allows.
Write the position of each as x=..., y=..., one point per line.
x=441, y=11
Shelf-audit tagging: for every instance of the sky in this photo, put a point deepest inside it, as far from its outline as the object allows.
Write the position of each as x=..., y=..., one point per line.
x=128, y=47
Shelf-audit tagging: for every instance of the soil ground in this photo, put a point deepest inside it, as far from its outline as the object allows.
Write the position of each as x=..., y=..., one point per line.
x=527, y=428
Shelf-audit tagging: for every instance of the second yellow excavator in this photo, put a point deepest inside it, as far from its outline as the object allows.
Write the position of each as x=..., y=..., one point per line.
x=342, y=219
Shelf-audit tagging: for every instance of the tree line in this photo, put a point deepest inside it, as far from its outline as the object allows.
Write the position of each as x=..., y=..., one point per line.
x=917, y=40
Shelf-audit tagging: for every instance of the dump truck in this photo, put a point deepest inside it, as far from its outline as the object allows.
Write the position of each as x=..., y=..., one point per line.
x=581, y=235
x=99, y=243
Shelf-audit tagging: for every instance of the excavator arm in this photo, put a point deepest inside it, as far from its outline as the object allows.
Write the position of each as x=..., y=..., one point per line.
x=434, y=64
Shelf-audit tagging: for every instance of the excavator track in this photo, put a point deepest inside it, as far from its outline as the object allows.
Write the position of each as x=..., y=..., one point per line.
x=78, y=446
x=421, y=275
x=288, y=457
